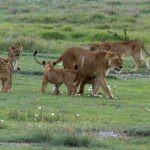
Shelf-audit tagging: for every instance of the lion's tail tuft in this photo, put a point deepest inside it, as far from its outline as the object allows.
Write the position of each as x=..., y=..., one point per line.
x=35, y=53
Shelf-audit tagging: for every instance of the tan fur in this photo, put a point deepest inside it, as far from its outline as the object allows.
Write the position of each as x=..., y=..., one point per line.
x=96, y=66
x=5, y=75
x=57, y=77
x=14, y=56
x=128, y=48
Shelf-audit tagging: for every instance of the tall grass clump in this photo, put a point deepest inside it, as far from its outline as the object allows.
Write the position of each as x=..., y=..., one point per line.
x=79, y=35
x=56, y=35
x=103, y=36
x=67, y=28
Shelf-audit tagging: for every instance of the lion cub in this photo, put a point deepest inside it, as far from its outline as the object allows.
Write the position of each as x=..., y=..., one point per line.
x=5, y=75
x=57, y=77
x=14, y=54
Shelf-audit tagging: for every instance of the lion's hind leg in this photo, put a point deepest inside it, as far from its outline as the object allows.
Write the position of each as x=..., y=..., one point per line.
x=145, y=62
x=3, y=84
x=137, y=60
x=56, y=89
x=71, y=88
x=7, y=86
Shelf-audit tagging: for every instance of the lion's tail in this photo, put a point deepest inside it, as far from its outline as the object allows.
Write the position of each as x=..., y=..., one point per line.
x=34, y=56
x=79, y=71
x=57, y=61
x=143, y=47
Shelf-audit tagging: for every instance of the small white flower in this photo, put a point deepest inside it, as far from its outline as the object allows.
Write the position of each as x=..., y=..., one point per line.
x=30, y=68
x=40, y=107
x=88, y=95
x=77, y=115
x=148, y=109
x=101, y=96
x=39, y=126
x=115, y=86
x=52, y=114
x=2, y=121
x=36, y=115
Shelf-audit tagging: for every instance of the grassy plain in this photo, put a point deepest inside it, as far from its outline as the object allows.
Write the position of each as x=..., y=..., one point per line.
x=58, y=122
x=30, y=120
x=50, y=26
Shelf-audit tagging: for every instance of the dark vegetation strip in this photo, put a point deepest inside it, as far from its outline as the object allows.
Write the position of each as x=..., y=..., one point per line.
x=112, y=74
x=38, y=73
x=135, y=132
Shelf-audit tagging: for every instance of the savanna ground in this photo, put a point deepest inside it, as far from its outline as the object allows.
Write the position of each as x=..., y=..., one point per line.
x=30, y=120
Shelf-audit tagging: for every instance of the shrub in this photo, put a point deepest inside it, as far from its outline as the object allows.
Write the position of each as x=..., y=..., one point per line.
x=103, y=26
x=53, y=35
x=96, y=18
x=78, y=35
x=67, y=28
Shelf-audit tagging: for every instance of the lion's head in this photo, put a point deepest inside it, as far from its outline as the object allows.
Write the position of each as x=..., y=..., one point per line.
x=48, y=65
x=94, y=46
x=3, y=64
x=100, y=46
x=15, y=51
x=115, y=60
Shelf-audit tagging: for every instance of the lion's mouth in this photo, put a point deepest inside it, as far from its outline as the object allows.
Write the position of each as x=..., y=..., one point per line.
x=118, y=68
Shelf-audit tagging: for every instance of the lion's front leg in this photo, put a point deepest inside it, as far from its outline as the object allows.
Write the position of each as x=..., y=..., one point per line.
x=44, y=85
x=95, y=86
x=18, y=63
x=14, y=64
x=104, y=86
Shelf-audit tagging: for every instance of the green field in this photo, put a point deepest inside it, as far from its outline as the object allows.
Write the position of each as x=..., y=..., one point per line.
x=50, y=26
x=30, y=120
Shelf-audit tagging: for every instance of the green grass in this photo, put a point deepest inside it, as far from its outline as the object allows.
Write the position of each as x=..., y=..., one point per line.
x=75, y=118
x=54, y=26
x=24, y=121
x=50, y=27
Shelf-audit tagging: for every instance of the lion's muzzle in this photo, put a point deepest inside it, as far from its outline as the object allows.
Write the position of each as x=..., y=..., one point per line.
x=118, y=68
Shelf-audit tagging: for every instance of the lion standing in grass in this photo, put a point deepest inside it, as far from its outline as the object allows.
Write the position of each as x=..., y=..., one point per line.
x=128, y=48
x=5, y=75
x=14, y=54
x=57, y=77
x=95, y=67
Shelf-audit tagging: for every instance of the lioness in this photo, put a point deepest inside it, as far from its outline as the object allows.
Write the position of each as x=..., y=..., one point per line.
x=57, y=77
x=14, y=56
x=128, y=48
x=96, y=66
x=5, y=75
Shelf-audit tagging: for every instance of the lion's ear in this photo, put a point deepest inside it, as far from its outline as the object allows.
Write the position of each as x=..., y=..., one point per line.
x=54, y=63
x=11, y=48
x=6, y=60
x=43, y=62
x=21, y=48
